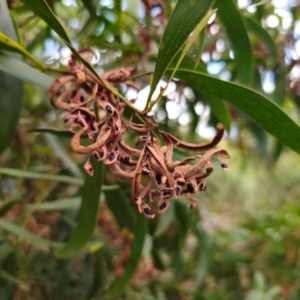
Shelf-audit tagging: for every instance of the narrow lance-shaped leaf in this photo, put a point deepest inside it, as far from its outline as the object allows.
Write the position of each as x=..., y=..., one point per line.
x=118, y=203
x=188, y=45
x=260, y=109
x=260, y=3
x=11, y=88
x=186, y=16
x=14, y=280
x=8, y=44
x=57, y=132
x=91, y=7
x=22, y=71
x=54, y=177
x=201, y=44
x=236, y=31
x=280, y=82
x=11, y=91
x=40, y=176
x=59, y=204
x=192, y=38
x=88, y=213
x=28, y=236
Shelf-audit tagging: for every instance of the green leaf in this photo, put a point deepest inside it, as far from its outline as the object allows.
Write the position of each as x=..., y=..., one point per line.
x=8, y=44
x=60, y=151
x=186, y=16
x=263, y=36
x=276, y=152
x=164, y=221
x=260, y=3
x=217, y=107
x=188, y=45
x=41, y=176
x=12, y=88
x=6, y=23
x=88, y=213
x=28, y=236
x=42, y=9
x=5, y=250
x=237, y=34
x=55, y=204
x=91, y=7
x=201, y=44
x=57, y=132
x=204, y=251
x=280, y=82
x=260, y=135
x=11, y=91
x=7, y=276
x=22, y=71
x=119, y=204
x=131, y=265
x=260, y=109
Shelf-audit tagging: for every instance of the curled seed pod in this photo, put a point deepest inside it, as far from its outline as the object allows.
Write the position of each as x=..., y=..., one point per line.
x=76, y=94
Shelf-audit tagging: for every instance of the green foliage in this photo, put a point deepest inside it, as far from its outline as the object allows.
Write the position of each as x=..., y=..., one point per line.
x=184, y=19
x=88, y=213
x=63, y=236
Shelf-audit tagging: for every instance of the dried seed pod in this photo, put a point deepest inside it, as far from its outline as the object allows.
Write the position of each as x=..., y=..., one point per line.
x=81, y=94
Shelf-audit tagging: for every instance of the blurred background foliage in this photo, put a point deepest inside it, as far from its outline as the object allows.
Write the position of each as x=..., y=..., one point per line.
x=241, y=242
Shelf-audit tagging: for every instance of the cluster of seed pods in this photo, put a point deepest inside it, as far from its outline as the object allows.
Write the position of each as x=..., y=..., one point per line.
x=94, y=114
